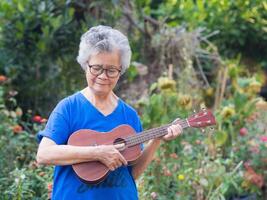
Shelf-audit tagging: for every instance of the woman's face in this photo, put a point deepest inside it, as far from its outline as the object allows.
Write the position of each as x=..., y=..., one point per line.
x=102, y=84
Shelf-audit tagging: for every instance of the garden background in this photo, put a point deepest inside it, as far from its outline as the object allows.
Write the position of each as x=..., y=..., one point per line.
x=186, y=55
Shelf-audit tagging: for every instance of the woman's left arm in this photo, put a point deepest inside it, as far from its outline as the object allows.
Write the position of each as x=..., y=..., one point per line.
x=147, y=155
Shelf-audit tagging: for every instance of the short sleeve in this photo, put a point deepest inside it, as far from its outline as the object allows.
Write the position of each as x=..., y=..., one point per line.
x=138, y=127
x=57, y=127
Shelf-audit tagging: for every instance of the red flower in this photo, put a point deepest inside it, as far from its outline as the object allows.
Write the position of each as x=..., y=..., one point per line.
x=243, y=131
x=167, y=172
x=253, y=177
x=42, y=174
x=2, y=78
x=49, y=188
x=17, y=129
x=173, y=155
x=37, y=118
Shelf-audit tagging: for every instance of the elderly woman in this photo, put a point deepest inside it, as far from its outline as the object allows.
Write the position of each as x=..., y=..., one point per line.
x=104, y=55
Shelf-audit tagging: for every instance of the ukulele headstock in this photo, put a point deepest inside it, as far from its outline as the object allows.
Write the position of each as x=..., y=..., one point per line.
x=202, y=119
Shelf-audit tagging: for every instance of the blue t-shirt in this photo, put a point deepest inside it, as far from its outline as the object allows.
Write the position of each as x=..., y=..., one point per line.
x=76, y=112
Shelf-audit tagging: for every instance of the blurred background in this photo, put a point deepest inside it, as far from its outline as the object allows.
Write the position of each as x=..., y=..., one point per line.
x=187, y=55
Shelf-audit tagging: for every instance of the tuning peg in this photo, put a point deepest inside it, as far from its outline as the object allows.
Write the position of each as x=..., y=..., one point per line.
x=203, y=107
x=211, y=130
x=195, y=114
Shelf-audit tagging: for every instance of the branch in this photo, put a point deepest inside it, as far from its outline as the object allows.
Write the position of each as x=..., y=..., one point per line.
x=152, y=20
x=128, y=15
x=202, y=72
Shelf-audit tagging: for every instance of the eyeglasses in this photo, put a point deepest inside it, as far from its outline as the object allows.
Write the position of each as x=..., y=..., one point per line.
x=111, y=72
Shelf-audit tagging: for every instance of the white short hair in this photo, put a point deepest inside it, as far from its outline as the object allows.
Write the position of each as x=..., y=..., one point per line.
x=100, y=39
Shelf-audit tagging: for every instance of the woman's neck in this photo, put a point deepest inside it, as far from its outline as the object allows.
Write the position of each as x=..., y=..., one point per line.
x=100, y=100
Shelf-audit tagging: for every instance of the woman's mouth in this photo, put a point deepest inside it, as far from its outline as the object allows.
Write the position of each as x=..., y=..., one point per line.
x=101, y=83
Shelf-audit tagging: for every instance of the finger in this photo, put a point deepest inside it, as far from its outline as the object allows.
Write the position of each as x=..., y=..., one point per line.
x=118, y=163
x=176, y=120
x=167, y=138
x=122, y=159
x=174, y=131
x=177, y=130
x=119, y=146
x=169, y=135
x=111, y=167
x=180, y=129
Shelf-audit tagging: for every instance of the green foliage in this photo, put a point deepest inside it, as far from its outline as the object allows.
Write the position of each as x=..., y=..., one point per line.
x=38, y=46
x=20, y=176
x=131, y=73
x=241, y=24
x=205, y=166
x=39, y=43
x=240, y=104
x=26, y=183
x=164, y=104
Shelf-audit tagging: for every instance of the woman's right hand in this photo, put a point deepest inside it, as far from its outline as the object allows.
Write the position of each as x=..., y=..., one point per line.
x=110, y=156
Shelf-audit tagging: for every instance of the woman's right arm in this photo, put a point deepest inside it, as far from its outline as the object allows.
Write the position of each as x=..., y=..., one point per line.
x=49, y=153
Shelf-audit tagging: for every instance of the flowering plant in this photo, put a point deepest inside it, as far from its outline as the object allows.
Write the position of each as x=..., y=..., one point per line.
x=20, y=175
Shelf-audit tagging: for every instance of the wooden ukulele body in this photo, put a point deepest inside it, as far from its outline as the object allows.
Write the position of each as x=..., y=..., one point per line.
x=94, y=172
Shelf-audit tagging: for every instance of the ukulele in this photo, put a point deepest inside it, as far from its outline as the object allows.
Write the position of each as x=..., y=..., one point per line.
x=94, y=172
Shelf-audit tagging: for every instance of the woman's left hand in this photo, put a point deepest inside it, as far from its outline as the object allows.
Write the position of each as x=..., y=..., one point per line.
x=173, y=131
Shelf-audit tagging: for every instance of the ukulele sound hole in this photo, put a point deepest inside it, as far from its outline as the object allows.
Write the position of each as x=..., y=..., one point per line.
x=119, y=141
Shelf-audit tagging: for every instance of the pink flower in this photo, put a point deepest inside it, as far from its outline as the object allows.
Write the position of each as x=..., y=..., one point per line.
x=255, y=149
x=243, y=131
x=247, y=165
x=154, y=195
x=263, y=138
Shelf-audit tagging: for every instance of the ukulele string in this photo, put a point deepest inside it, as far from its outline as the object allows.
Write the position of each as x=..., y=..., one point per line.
x=152, y=133
x=155, y=130
x=183, y=123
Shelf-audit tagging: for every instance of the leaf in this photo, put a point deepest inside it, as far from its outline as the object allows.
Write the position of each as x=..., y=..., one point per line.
x=41, y=45
x=20, y=6
x=220, y=138
x=153, y=87
x=243, y=82
x=240, y=101
x=56, y=22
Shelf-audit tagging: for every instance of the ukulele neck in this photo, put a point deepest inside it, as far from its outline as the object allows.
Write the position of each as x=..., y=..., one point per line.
x=153, y=133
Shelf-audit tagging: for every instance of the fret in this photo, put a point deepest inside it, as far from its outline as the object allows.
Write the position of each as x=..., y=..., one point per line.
x=152, y=134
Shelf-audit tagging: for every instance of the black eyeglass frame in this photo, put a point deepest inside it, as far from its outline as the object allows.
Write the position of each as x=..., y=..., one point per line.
x=103, y=69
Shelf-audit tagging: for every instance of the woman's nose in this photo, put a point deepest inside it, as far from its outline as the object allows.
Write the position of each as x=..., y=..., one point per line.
x=103, y=75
